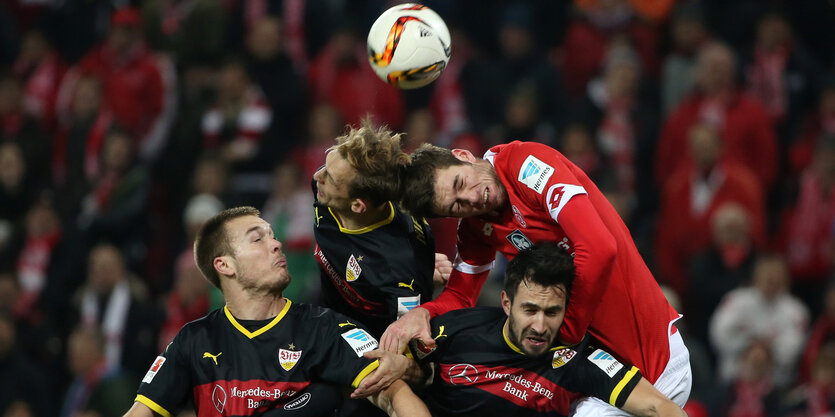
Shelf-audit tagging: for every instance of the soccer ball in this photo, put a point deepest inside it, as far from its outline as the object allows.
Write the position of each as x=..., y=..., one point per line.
x=408, y=46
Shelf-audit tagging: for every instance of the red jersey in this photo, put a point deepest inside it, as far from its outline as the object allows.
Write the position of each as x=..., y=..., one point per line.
x=614, y=297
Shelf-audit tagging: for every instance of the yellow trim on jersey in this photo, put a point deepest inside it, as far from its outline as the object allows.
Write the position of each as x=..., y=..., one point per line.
x=364, y=373
x=365, y=229
x=152, y=405
x=509, y=343
x=268, y=326
x=613, y=398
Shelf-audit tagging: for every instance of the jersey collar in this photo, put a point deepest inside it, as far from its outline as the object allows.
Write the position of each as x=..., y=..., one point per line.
x=266, y=327
x=365, y=229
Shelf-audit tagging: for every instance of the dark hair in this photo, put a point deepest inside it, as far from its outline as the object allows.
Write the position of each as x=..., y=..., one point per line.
x=545, y=264
x=376, y=155
x=212, y=241
x=419, y=178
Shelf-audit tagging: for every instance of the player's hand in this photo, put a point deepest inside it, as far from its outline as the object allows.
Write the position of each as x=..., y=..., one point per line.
x=413, y=325
x=443, y=267
x=392, y=367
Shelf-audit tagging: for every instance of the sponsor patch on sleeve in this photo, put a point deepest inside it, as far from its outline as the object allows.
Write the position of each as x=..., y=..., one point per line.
x=360, y=341
x=149, y=376
x=535, y=173
x=406, y=304
x=606, y=362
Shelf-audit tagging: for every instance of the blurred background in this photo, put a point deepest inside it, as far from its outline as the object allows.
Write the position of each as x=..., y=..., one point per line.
x=124, y=125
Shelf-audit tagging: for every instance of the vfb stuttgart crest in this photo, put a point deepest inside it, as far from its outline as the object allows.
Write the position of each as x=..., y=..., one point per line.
x=288, y=358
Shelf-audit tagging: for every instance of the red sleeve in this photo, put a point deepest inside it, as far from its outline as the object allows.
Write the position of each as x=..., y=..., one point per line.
x=471, y=266
x=594, y=258
x=461, y=291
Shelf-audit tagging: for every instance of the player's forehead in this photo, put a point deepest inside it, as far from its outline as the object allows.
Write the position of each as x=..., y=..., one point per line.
x=339, y=169
x=530, y=292
x=446, y=180
x=239, y=227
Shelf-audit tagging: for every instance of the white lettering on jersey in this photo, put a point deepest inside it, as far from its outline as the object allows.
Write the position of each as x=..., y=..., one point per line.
x=149, y=376
x=558, y=195
x=535, y=173
x=606, y=362
x=360, y=341
x=406, y=304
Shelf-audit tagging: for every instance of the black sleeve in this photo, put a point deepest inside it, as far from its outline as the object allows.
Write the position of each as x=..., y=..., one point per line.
x=595, y=372
x=440, y=333
x=166, y=386
x=346, y=345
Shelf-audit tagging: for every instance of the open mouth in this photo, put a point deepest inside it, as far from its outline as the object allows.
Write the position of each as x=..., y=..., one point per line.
x=535, y=341
x=485, y=195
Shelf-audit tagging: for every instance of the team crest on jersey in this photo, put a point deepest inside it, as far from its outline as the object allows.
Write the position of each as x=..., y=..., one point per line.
x=562, y=356
x=535, y=173
x=519, y=240
x=353, y=271
x=517, y=214
x=288, y=358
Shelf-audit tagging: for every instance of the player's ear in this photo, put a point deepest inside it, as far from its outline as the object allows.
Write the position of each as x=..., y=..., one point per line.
x=358, y=206
x=464, y=155
x=224, y=265
x=505, y=303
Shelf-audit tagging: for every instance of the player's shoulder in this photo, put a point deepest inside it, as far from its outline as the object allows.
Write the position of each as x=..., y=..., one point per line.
x=208, y=322
x=316, y=316
x=468, y=319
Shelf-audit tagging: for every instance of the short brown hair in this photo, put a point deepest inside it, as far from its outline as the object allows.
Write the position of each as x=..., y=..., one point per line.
x=379, y=160
x=419, y=178
x=212, y=241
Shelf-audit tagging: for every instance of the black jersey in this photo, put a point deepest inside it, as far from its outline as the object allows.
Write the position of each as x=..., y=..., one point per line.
x=479, y=372
x=272, y=367
x=377, y=273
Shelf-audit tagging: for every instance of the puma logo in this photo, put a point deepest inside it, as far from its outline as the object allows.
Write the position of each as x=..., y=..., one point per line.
x=214, y=357
x=409, y=285
x=440, y=333
x=347, y=323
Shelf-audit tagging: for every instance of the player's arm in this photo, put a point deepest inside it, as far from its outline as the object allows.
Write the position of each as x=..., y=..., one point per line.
x=646, y=401
x=470, y=269
x=399, y=400
x=140, y=410
x=594, y=257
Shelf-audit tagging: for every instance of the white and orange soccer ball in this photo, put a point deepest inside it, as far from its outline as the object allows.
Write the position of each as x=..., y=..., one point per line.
x=409, y=46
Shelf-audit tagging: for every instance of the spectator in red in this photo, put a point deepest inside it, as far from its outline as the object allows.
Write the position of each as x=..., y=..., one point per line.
x=323, y=124
x=752, y=393
x=187, y=301
x=237, y=123
x=690, y=197
x=819, y=123
x=137, y=86
x=723, y=266
x=822, y=333
x=340, y=76
x=588, y=37
x=781, y=73
x=688, y=32
x=745, y=128
x=22, y=128
x=41, y=69
x=809, y=226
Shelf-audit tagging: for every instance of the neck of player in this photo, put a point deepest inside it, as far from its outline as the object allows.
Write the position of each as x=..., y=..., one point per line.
x=352, y=220
x=262, y=306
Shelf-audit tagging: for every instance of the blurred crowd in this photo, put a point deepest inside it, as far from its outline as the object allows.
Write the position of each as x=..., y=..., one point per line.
x=124, y=124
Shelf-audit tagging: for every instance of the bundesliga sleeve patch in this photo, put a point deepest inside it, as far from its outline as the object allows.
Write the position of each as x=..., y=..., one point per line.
x=149, y=376
x=360, y=341
x=535, y=173
x=406, y=304
x=606, y=362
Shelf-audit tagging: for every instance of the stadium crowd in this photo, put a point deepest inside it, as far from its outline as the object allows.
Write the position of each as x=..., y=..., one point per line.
x=125, y=124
